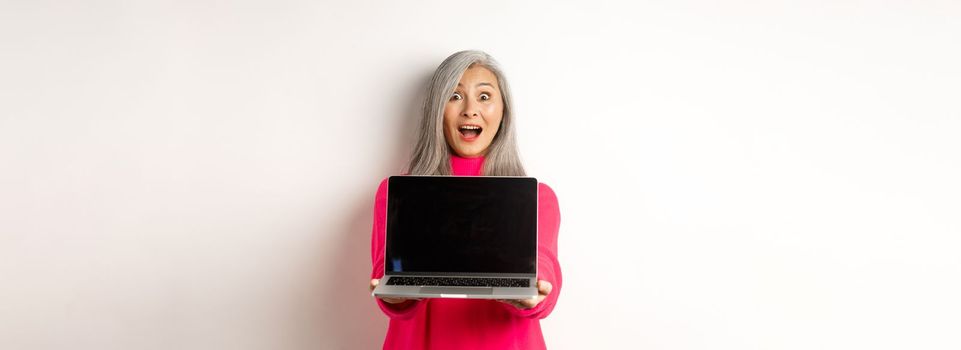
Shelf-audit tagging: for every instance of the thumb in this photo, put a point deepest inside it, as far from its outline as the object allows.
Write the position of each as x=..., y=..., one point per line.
x=544, y=287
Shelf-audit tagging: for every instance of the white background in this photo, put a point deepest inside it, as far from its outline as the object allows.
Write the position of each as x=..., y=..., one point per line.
x=745, y=175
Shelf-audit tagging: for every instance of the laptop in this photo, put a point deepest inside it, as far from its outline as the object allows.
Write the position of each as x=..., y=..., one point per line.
x=460, y=237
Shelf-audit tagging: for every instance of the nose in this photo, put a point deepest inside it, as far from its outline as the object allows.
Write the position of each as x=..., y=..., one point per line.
x=470, y=109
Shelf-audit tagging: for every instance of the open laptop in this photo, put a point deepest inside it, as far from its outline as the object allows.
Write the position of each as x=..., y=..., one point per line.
x=460, y=237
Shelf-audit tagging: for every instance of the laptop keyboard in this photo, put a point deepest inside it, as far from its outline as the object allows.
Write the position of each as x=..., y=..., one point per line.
x=459, y=281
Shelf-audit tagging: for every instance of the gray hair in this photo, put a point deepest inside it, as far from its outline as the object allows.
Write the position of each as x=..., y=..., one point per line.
x=431, y=155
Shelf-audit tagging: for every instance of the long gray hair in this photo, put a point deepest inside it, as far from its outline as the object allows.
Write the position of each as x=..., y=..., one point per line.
x=431, y=155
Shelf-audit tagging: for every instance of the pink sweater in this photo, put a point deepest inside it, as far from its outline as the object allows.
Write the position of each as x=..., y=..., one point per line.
x=471, y=323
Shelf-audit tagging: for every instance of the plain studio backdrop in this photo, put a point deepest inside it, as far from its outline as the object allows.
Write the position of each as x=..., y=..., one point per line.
x=746, y=175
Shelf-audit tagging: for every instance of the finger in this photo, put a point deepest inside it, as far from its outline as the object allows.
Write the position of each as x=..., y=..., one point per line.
x=510, y=302
x=544, y=287
x=532, y=302
x=373, y=283
x=529, y=303
x=393, y=300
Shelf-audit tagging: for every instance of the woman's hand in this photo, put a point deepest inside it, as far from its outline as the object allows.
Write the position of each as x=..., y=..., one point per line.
x=395, y=301
x=543, y=289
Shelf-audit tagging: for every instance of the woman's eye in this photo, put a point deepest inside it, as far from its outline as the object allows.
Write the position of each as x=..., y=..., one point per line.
x=485, y=97
x=456, y=96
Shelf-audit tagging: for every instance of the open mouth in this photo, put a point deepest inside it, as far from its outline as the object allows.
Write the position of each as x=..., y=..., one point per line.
x=470, y=132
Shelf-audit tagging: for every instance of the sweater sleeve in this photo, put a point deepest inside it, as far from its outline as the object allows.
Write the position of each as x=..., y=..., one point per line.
x=378, y=235
x=548, y=267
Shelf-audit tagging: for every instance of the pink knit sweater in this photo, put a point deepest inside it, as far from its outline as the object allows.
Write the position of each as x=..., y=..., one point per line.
x=471, y=323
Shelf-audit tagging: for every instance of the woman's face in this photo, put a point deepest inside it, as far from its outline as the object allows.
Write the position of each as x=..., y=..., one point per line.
x=473, y=113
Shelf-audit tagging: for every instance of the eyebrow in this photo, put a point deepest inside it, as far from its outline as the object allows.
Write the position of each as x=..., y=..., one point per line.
x=478, y=84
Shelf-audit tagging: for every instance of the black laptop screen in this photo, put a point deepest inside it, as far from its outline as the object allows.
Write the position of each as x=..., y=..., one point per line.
x=452, y=224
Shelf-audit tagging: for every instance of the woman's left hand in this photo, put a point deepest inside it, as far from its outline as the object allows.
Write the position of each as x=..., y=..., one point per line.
x=543, y=289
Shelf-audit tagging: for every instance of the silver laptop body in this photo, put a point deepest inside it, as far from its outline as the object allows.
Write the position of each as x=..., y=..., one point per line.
x=460, y=237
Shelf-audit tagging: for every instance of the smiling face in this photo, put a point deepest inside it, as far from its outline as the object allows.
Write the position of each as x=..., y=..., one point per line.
x=473, y=113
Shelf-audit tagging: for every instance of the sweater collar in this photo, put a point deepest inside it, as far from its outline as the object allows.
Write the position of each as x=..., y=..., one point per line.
x=466, y=166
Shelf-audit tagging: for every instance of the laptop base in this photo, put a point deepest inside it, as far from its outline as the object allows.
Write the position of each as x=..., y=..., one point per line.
x=417, y=292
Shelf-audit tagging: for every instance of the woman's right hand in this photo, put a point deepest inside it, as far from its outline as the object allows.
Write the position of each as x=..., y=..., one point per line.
x=389, y=300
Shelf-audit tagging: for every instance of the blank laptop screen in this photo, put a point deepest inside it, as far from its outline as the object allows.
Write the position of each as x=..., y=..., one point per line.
x=452, y=224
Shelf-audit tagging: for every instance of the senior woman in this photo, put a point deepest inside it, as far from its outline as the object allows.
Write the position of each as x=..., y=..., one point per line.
x=467, y=129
